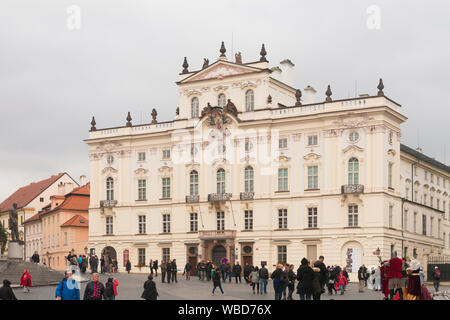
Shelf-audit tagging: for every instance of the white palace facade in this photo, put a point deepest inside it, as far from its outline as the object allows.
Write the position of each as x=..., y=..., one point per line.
x=257, y=171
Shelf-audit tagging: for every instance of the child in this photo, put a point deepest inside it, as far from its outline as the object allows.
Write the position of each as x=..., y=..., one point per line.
x=25, y=281
x=342, y=282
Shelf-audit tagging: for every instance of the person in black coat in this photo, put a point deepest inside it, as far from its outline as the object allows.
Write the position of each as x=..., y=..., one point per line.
x=247, y=271
x=174, y=270
x=150, y=292
x=35, y=257
x=216, y=281
x=291, y=281
x=128, y=266
x=237, y=269
x=278, y=279
x=155, y=267
x=6, y=293
x=94, y=289
x=208, y=270
x=305, y=275
x=187, y=270
x=169, y=271
x=323, y=272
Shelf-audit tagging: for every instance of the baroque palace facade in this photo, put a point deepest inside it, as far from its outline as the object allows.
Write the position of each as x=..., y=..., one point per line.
x=257, y=171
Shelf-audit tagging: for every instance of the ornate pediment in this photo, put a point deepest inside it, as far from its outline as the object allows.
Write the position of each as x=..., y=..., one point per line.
x=352, y=148
x=220, y=70
x=140, y=171
x=351, y=123
x=109, y=170
x=312, y=157
x=108, y=146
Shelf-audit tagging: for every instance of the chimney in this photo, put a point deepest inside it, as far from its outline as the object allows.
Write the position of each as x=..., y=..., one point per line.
x=61, y=189
x=276, y=73
x=309, y=95
x=82, y=180
x=287, y=75
x=68, y=187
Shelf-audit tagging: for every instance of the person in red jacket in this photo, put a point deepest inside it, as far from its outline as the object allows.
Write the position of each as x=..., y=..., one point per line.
x=25, y=281
x=395, y=276
x=341, y=282
x=384, y=272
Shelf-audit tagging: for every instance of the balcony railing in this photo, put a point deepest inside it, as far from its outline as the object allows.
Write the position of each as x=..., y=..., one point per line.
x=217, y=234
x=247, y=195
x=213, y=197
x=352, y=188
x=108, y=203
x=192, y=198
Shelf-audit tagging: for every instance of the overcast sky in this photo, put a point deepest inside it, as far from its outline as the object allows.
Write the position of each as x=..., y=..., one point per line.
x=126, y=56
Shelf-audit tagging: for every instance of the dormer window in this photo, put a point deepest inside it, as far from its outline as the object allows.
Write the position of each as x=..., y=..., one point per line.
x=249, y=100
x=194, y=107
x=222, y=100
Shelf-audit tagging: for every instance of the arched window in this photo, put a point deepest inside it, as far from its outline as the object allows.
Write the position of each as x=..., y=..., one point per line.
x=221, y=181
x=353, y=171
x=248, y=179
x=249, y=100
x=193, y=183
x=194, y=107
x=222, y=101
x=110, y=189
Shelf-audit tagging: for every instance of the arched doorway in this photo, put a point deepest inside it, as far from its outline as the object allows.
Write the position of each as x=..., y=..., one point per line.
x=109, y=255
x=218, y=253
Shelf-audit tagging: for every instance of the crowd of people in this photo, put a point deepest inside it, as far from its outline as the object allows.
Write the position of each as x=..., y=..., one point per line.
x=395, y=278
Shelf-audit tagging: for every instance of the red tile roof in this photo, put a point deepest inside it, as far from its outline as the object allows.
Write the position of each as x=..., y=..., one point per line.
x=25, y=195
x=78, y=200
x=36, y=217
x=76, y=221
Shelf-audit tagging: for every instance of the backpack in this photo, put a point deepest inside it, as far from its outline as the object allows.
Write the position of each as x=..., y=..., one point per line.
x=109, y=289
x=263, y=273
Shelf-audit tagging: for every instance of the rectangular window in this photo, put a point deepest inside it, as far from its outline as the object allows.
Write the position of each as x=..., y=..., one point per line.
x=282, y=143
x=166, y=223
x=193, y=222
x=142, y=189
x=141, y=256
x=220, y=220
x=166, y=188
x=432, y=178
x=390, y=175
x=283, y=179
x=142, y=224
x=65, y=238
x=405, y=223
x=41, y=199
x=109, y=225
x=312, y=217
x=166, y=154
x=352, y=216
x=390, y=216
x=415, y=222
x=424, y=225
x=282, y=254
x=282, y=218
x=166, y=254
x=141, y=156
x=312, y=140
x=407, y=193
x=431, y=201
x=248, y=219
x=415, y=196
x=431, y=226
x=313, y=177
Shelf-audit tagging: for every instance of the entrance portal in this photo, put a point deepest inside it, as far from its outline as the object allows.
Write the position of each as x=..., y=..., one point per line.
x=218, y=253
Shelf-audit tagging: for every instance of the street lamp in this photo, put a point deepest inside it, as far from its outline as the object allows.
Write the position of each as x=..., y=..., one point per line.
x=378, y=254
x=85, y=250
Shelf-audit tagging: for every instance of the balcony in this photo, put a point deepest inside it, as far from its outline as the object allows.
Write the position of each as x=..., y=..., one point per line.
x=247, y=195
x=108, y=203
x=215, y=197
x=193, y=199
x=352, y=189
x=217, y=234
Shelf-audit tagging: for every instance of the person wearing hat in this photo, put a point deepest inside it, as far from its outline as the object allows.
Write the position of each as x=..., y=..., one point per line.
x=6, y=293
x=436, y=278
x=68, y=288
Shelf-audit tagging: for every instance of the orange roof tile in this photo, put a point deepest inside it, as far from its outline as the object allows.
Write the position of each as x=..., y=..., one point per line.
x=78, y=200
x=33, y=218
x=76, y=221
x=25, y=195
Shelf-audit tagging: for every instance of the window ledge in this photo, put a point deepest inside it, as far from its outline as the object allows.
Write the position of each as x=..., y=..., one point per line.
x=161, y=233
x=247, y=230
x=312, y=228
x=391, y=189
x=282, y=191
x=142, y=200
x=312, y=190
x=281, y=229
x=192, y=232
x=165, y=198
x=356, y=227
x=141, y=234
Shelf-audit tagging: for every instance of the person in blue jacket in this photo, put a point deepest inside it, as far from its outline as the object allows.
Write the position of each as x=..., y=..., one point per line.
x=68, y=288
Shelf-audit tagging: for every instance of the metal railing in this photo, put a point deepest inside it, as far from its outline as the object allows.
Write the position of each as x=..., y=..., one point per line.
x=213, y=197
x=108, y=203
x=247, y=195
x=192, y=198
x=352, y=188
x=217, y=234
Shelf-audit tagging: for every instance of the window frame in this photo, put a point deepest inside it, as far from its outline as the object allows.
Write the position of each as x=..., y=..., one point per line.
x=249, y=100
x=195, y=109
x=283, y=179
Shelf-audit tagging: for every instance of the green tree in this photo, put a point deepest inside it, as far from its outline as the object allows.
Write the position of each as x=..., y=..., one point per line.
x=3, y=238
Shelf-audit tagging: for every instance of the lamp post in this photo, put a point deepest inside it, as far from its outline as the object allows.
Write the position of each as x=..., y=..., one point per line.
x=378, y=254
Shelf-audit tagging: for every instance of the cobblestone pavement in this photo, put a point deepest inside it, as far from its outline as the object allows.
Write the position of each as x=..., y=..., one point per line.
x=131, y=287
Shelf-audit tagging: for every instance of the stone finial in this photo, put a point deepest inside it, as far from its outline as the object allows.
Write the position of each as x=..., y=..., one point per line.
x=328, y=93
x=222, y=50
x=205, y=63
x=238, y=57
x=263, y=54
x=298, y=96
x=93, y=128
x=185, y=66
x=177, y=112
x=380, y=88
x=128, y=124
x=154, y=114
x=269, y=99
